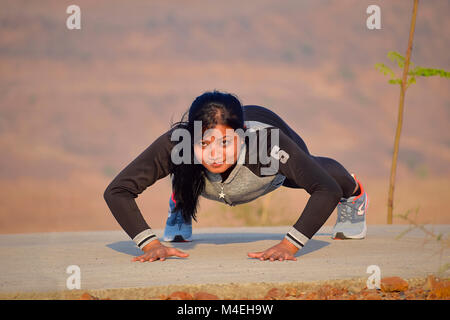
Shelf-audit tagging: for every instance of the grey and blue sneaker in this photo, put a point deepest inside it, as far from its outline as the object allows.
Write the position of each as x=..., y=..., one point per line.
x=177, y=229
x=351, y=219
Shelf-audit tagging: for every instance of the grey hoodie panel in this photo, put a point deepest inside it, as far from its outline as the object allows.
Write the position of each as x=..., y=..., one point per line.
x=247, y=187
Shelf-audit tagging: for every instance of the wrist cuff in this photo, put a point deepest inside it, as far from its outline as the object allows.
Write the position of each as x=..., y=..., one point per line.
x=143, y=238
x=297, y=238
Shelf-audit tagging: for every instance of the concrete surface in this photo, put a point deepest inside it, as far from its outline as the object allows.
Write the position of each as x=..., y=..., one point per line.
x=37, y=262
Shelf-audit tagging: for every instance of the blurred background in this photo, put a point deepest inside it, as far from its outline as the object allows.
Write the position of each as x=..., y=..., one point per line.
x=76, y=106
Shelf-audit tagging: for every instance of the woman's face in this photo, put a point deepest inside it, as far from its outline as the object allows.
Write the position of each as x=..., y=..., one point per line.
x=218, y=148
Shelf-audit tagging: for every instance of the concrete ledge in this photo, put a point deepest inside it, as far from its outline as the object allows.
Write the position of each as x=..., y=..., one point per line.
x=37, y=262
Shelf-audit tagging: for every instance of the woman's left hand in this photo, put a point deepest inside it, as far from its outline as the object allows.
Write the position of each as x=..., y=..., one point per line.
x=282, y=251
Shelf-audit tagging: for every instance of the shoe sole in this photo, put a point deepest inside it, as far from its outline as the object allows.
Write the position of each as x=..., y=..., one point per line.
x=342, y=236
x=178, y=238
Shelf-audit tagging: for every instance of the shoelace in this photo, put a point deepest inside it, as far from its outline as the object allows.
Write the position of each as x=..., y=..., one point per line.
x=346, y=212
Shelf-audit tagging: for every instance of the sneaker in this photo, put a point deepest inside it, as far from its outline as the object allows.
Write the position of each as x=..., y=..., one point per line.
x=177, y=230
x=351, y=219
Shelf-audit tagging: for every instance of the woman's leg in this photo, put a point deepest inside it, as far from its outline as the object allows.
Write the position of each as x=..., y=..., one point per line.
x=351, y=217
x=339, y=173
x=333, y=167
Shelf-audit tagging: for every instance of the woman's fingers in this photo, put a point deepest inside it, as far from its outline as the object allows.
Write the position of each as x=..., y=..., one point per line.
x=291, y=257
x=262, y=255
x=269, y=255
x=272, y=255
x=145, y=257
x=275, y=256
x=139, y=258
x=161, y=255
x=178, y=253
x=255, y=254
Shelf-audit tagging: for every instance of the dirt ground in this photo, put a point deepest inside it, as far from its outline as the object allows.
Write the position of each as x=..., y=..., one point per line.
x=393, y=288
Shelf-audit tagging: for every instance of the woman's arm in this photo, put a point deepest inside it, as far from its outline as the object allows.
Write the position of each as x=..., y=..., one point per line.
x=152, y=164
x=307, y=174
x=325, y=192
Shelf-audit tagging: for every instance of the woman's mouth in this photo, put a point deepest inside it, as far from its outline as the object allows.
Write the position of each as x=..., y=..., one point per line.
x=216, y=165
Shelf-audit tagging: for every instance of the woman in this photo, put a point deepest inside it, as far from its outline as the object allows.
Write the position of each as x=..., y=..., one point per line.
x=234, y=154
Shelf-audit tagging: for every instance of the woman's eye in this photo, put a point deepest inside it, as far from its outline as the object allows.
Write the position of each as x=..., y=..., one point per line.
x=226, y=142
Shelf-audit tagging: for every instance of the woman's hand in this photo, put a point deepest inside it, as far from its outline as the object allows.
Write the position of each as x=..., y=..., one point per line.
x=282, y=251
x=155, y=250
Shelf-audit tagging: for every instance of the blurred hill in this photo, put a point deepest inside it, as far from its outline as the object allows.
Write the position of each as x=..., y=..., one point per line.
x=76, y=106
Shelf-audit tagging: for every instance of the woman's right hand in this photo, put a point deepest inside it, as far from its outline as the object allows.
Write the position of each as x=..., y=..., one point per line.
x=155, y=250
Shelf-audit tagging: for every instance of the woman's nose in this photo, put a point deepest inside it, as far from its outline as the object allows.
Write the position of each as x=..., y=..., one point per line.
x=214, y=154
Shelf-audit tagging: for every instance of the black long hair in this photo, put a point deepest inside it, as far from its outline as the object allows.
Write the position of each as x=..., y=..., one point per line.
x=188, y=179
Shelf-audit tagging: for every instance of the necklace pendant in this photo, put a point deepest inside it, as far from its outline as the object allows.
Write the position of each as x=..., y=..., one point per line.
x=221, y=194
